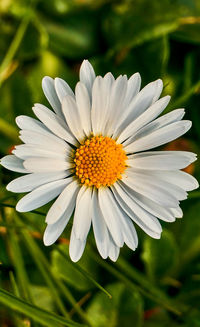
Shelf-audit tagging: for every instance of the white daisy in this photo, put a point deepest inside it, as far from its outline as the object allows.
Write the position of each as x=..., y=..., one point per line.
x=89, y=153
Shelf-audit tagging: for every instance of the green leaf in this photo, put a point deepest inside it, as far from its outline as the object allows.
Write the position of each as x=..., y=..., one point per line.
x=61, y=264
x=160, y=256
x=44, y=317
x=124, y=307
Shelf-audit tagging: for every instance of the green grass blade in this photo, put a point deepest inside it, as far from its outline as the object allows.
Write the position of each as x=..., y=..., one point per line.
x=17, y=258
x=85, y=274
x=14, y=285
x=156, y=31
x=134, y=287
x=51, y=280
x=179, y=102
x=138, y=277
x=15, y=44
x=44, y=269
x=194, y=195
x=69, y=297
x=42, y=316
x=8, y=130
x=7, y=205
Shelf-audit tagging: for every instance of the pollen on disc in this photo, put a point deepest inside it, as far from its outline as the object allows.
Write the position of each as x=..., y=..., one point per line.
x=100, y=161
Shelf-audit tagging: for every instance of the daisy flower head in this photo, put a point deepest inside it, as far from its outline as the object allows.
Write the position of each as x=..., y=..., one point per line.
x=91, y=154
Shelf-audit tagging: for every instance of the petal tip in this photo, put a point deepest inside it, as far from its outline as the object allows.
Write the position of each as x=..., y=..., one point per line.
x=19, y=207
x=46, y=79
x=18, y=120
x=74, y=257
x=9, y=187
x=46, y=241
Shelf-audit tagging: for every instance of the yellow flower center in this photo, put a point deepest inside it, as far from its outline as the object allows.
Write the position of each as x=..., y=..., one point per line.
x=100, y=161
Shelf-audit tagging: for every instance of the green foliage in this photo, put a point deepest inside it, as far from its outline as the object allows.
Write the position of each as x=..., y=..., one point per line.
x=61, y=265
x=158, y=284
x=160, y=257
x=77, y=32
x=46, y=318
x=124, y=307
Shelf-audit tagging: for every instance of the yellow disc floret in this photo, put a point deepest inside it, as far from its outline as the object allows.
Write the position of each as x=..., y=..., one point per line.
x=100, y=161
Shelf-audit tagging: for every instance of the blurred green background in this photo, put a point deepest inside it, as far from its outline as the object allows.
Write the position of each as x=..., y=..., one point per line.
x=159, y=284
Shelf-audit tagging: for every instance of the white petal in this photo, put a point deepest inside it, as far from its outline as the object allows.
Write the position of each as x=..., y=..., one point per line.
x=84, y=107
x=50, y=141
x=151, y=190
x=25, y=151
x=128, y=230
x=161, y=160
x=53, y=231
x=142, y=218
x=113, y=251
x=41, y=195
x=178, y=213
x=130, y=235
x=145, y=98
x=118, y=92
x=62, y=89
x=100, y=102
x=99, y=227
x=13, y=163
x=65, y=202
x=101, y=99
x=154, y=208
x=82, y=214
x=76, y=247
x=171, y=117
x=29, y=182
x=190, y=155
x=151, y=178
x=40, y=165
x=87, y=75
x=133, y=88
x=160, y=136
x=72, y=117
x=110, y=213
x=31, y=124
x=53, y=122
x=183, y=180
x=50, y=93
x=97, y=105
x=151, y=113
